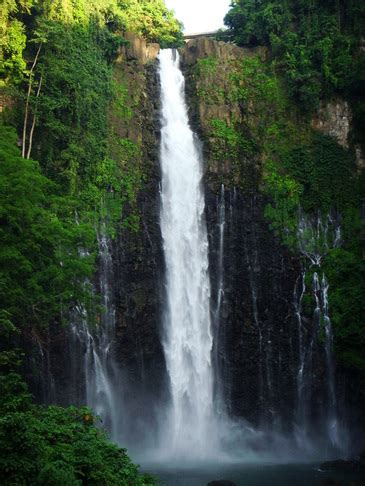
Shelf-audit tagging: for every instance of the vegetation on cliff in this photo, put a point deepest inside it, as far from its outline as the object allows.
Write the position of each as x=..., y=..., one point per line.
x=63, y=176
x=57, y=87
x=315, y=44
x=52, y=445
x=306, y=53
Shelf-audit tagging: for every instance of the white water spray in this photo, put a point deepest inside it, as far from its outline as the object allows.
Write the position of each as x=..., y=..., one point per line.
x=97, y=341
x=188, y=339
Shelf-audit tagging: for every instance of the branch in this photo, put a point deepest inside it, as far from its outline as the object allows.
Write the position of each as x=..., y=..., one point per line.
x=34, y=119
x=28, y=97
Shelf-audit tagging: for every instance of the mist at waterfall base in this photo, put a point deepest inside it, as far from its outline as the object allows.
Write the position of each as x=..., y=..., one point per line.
x=194, y=427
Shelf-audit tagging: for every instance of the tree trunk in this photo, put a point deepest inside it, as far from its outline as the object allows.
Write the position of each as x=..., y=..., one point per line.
x=27, y=102
x=34, y=119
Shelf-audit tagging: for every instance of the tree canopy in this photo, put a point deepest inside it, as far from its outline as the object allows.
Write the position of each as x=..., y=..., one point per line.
x=316, y=43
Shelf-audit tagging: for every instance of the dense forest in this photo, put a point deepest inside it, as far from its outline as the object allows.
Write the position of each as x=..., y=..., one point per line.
x=64, y=174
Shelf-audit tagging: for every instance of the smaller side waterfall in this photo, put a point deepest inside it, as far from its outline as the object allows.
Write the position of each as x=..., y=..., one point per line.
x=97, y=340
x=219, y=335
x=332, y=419
x=221, y=224
x=100, y=369
x=302, y=376
x=315, y=239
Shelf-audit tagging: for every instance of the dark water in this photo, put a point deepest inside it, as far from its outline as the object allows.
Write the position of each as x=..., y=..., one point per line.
x=256, y=475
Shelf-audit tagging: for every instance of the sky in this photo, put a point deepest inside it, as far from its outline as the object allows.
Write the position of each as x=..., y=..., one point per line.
x=199, y=15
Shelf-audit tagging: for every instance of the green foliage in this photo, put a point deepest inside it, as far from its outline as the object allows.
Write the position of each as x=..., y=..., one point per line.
x=346, y=275
x=282, y=211
x=81, y=180
x=12, y=40
x=327, y=172
x=72, y=107
x=78, y=88
x=227, y=140
x=41, y=269
x=315, y=44
x=152, y=20
x=206, y=65
x=53, y=445
x=229, y=143
x=249, y=86
x=205, y=71
x=57, y=446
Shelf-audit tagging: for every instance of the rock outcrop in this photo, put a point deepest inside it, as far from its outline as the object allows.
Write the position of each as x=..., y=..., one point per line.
x=334, y=119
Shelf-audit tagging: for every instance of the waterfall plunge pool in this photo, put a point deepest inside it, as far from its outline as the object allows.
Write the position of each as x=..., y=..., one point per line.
x=254, y=475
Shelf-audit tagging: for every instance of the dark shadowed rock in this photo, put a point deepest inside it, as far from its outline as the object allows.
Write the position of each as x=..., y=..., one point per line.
x=329, y=482
x=221, y=482
x=342, y=465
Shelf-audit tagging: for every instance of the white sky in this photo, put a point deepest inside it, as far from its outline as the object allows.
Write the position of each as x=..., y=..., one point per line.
x=199, y=15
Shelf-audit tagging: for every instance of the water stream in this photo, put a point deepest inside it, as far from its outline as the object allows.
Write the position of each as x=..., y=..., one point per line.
x=190, y=425
x=315, y=237
x=97, y=341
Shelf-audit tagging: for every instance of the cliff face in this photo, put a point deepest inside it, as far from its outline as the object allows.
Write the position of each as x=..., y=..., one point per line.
x=137, y=252
x=255, y=278
x=255, y=333
x=57, y=366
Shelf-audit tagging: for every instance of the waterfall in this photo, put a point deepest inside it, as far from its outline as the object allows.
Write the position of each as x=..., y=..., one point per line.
x=332, y=418
x=221, y=224
x=96, y=340
x=304, y=365
x=315, y=238
x=298, y=298
x=101, y=389
x=190, y=426
x=219, y=334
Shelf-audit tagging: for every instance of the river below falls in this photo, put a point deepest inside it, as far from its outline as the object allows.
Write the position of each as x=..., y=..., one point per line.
x=254, y=475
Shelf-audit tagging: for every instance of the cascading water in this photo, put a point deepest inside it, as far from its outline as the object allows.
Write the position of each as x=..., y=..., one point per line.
x=332, y=417
x=101, y=389
x=190, y=426
x=303, y=385
x=97, y=340
x=315, y=239
x=221, y=223
x=219, y=334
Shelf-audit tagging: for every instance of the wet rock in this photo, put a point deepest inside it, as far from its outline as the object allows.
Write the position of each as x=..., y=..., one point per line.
x=342, y=465
x=259, y=278
x=222, y=482
x=329, y=482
